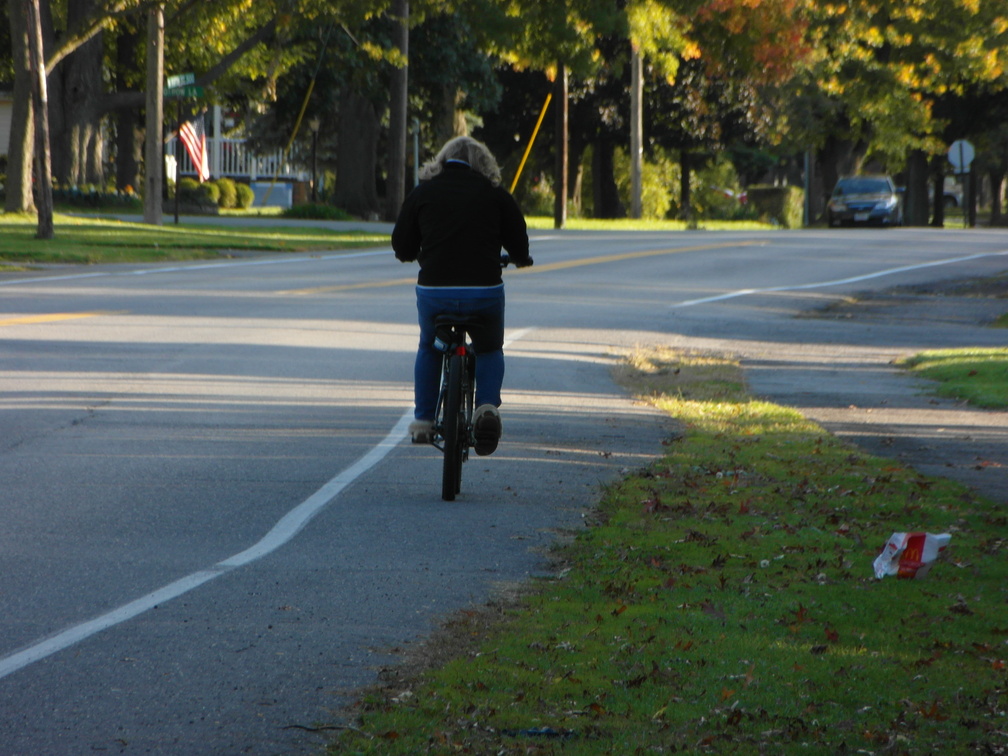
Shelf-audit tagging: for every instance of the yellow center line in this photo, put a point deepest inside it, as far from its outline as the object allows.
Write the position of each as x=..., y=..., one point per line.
x=54, y=317
x=537, y=268
x=347, y=287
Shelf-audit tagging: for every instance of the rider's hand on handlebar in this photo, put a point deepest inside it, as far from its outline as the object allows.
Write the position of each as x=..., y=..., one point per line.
x=527, y=264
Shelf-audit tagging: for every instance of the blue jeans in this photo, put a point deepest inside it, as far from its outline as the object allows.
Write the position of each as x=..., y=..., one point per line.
x=487, y=338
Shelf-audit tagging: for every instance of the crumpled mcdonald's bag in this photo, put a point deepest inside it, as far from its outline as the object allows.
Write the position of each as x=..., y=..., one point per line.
x=910, y=555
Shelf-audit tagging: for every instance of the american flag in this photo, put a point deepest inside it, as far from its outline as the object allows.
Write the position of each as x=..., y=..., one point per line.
x=193, y=136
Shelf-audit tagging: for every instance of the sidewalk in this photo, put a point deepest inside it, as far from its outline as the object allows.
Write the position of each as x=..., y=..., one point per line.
x=857, y=394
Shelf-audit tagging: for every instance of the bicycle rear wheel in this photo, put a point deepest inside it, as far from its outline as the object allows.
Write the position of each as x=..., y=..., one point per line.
x=454, y=431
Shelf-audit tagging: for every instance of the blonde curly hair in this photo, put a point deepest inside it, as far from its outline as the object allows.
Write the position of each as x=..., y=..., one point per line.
x=468, y=150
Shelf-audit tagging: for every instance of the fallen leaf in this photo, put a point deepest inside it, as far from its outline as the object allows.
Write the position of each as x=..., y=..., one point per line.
x=932, y=712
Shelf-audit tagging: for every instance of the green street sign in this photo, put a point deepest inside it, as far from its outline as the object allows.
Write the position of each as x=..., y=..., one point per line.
x=186, y=91
x=180, y=80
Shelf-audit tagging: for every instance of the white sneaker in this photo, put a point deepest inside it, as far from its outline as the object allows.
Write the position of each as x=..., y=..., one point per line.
x=422, y=431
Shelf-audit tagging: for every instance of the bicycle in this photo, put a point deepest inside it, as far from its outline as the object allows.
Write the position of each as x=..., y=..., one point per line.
x=453, y=416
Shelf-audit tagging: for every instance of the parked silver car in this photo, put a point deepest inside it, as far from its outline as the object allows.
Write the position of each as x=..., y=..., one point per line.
x=865, y=199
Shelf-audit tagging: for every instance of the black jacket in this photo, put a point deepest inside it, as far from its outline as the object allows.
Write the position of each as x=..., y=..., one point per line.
x=455, y=226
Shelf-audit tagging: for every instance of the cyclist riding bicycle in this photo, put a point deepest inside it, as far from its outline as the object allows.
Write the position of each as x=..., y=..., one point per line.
x=455, y=224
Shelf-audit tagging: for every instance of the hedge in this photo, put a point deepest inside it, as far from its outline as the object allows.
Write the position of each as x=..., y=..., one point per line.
x=784, y=205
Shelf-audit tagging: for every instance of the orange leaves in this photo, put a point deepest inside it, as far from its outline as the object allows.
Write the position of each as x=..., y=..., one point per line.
x=932, y=712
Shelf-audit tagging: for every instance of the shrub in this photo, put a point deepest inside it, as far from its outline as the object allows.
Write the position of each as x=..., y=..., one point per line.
x=209, y=194
x=228, y=193
x=659, y=176
x=784, y=205
x=317, y=211
x=203, y=196
x=187, y=190
x=95, y=197
x=245, y=196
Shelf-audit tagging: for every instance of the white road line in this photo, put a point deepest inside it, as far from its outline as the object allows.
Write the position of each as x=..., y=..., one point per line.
x=286, y=528
x=837, y=282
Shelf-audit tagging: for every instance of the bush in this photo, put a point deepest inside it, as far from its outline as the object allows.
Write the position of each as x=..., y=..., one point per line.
x=245, y=196
x=95, y=197
x=784, y=205
x=317, y=211
x=659, y=177
x=203, y=197
x=228, y=193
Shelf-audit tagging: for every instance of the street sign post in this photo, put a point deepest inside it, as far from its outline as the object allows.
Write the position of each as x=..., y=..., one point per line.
x=961, y=154
x=182, y=85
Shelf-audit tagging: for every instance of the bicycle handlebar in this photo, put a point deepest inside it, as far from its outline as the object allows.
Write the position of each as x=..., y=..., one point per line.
x=505, y=260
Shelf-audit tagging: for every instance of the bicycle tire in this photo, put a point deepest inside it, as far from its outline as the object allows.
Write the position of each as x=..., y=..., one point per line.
x=453, y=432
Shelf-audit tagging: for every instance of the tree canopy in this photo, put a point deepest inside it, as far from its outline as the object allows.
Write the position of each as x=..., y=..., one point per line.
x=853, y=80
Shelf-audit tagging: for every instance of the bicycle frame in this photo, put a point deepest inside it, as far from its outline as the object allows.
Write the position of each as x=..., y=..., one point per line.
x=454, y=410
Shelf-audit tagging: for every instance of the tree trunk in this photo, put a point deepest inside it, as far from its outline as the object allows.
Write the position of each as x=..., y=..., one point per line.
x=129, y=131
x=22, y=136
x=355, y=189
x=40, y=101
x=153, y=145
x=915, y=203
x=448, y=120
x=395, y=184
x=996, y=176
x=604, y=191
x=77, y=87
x=685, y=202
x=938, y=200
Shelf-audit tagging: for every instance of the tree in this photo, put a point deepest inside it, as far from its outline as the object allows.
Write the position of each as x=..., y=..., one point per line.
x=398, y=101
x=238, y=46
x=877, y=69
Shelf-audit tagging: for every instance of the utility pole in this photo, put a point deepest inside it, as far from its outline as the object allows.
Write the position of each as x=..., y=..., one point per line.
x=153, y=149
x=560, y=122
x=636, y=132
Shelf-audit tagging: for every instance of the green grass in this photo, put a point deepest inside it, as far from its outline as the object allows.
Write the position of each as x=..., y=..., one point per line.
x=91, y=240
x=979, y=376
x=628, y=224
x=723, y=601
x=82, y=239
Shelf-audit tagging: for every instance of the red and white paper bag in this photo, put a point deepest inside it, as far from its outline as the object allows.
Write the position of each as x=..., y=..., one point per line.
x=910, y=555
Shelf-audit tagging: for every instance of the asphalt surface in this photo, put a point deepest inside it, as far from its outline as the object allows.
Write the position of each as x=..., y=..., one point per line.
x=242, y=663
x=861, y=396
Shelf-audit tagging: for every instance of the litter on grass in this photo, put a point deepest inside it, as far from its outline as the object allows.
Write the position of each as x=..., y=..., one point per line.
x=910, y=555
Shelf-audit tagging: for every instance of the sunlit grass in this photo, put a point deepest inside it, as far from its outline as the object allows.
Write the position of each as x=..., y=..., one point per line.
x=723, y=601
x=629, y=224
x=85, y=240
x=979, y=376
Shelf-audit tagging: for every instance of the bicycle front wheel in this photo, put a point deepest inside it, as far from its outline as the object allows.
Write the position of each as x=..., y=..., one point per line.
x=454, y=431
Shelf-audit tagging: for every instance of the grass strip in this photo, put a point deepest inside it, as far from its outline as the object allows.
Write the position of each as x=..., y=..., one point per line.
x=978, y=375
x=92, y=240
x=540, y=223
x=723, y=600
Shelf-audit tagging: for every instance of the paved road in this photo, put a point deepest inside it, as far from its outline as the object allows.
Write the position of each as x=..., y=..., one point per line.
x=213, y=531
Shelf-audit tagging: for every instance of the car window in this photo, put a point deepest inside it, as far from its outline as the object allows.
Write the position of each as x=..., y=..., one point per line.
x=861, y=186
